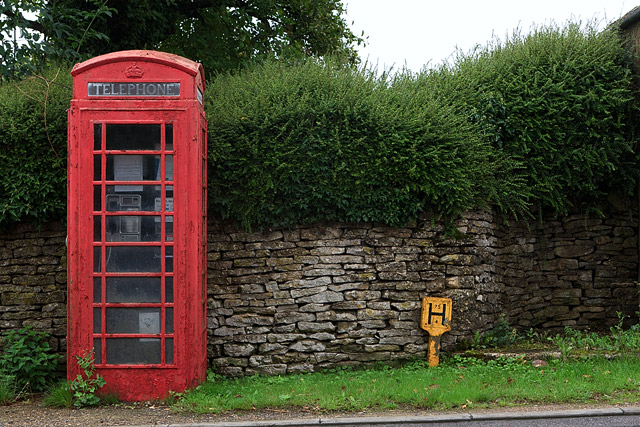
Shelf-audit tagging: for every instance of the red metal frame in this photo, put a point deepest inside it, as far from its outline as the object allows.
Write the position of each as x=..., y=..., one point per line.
x=185, y=114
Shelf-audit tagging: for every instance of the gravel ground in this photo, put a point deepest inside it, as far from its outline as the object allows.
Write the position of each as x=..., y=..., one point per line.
x=33, y=414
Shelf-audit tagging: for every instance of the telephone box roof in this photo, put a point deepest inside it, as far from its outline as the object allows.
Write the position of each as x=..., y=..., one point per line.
x=168, y=59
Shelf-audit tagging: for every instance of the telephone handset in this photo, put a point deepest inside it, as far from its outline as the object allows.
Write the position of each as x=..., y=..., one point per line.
x=123, y=228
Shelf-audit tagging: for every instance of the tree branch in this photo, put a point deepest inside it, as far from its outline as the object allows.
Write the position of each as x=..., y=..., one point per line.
x=33, y=25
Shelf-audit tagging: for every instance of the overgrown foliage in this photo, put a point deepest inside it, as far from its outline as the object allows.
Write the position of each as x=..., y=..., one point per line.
x=221, y=34
x=27, y=357
x=560, y=100
x=59, y=33
x=319, y=141
x=33, y=155
x=542, y=121
x=8, y=389
x=86, y=385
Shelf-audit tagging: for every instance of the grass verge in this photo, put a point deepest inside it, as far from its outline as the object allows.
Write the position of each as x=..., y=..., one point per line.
x=459, y=382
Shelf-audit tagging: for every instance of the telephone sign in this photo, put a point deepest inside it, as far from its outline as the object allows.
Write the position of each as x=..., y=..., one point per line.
x=137, y=222
x=127, y=89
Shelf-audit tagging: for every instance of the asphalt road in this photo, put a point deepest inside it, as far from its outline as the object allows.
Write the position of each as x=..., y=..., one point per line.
x=607, y=417
x=610, y=421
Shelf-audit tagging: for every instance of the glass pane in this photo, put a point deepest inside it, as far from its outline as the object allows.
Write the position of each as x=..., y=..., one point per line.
x=133, y=137
x=168, y=167
x=97, y=168
x=97, y=198
x=133, y=198
x=96, y=260
x=97, y=137
x=168, y=130
x=133, y=351
x=168, y=228
x=133, y=320
x=168, y=325
x=168, y=348
x=97, y=289
x=97, y=348
x=97, y=228
x=168, y=289
x=133, y=289
x=169, y=199
x=128, y=228
x=169, y=259
x=97, y=320
x=133, y=168
x=130, y=259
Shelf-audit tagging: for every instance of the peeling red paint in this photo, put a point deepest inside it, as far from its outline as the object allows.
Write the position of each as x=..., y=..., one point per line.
x=144, y=206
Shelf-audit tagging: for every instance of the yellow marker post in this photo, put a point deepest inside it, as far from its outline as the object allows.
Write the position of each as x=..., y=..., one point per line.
x=436, y=319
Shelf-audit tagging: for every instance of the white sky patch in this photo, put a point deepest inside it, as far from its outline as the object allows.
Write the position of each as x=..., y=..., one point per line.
x=419, y=33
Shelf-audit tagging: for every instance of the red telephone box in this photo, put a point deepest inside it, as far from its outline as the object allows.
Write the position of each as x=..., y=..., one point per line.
x=137, y=222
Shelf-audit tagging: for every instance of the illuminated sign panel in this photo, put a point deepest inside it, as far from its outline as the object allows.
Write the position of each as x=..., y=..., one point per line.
x=133, y=89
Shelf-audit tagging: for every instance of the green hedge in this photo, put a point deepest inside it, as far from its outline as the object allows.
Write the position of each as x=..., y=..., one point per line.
x=33, y=164
x=561, y=100
x=543, y=121
x=317, y=141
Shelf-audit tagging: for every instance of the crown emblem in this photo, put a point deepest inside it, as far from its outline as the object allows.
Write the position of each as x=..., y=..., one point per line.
x=133, y=71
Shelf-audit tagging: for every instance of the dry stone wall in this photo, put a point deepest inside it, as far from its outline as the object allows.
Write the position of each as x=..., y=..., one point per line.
x=33, y=280
x=339, y=294
x=330, y=295
x=574, y=271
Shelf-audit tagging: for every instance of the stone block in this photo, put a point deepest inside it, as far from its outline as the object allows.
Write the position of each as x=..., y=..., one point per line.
x=573, y=251
x=298, y=368
x=313, y=308
x=322, y=336
x=293, y=317
x=399, y=340
x=411, y=286
x=399, y=275
x=271, y=370
x=349, y=286
x=316, y=326
x=226, y=331
x=362, y=295
x=317, y=272
x=306, y=283
x=18, y=298
x=370, y=314
x=284, y=329
x=326, y=250
x=349, y=305
x=326, y=316
x=252, y=289
x=280, y=338
x=373, y=324
x=320, y=233
x=406, y=306
x=321, y=298
x=248, y=319
x=345, y=327
x=299, y=293
x=381, y=347
x=354, y=278
x=341, y=259
x=272, y=348
x=330, y=357
x=307, y=346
